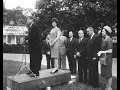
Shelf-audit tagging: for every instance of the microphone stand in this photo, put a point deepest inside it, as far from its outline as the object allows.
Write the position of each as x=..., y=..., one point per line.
x=24, y=63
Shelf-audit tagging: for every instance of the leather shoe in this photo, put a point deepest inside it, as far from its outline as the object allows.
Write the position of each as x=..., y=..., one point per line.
x=28, y=73
x=54, y=71
x=85, y=82
x=34, y=75
x=95, y=86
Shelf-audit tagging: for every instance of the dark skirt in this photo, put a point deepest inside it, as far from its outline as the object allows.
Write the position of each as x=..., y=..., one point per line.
x=106, y=70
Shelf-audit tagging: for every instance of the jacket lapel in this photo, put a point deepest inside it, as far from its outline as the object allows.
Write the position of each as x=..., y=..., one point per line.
x=80, y=43
x=90, y=40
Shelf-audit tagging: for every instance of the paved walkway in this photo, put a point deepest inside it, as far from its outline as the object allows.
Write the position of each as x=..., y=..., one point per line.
x=19, y=57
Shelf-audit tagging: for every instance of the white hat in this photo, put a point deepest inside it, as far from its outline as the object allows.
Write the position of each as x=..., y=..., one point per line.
x=108, y=28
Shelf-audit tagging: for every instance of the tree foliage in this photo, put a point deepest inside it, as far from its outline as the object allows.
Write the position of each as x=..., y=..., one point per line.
x=15, y=15
x=76, y=14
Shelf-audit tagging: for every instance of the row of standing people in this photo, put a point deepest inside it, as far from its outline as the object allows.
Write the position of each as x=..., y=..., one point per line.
x=75, y=50
x=84, y=50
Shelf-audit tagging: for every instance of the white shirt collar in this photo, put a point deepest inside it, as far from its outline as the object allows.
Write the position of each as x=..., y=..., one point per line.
x=92, y=35
x=31, y=24
x=81, y=38
x=71, y=38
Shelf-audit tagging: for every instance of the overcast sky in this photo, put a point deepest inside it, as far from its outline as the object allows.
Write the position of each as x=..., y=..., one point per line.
x=10, y=4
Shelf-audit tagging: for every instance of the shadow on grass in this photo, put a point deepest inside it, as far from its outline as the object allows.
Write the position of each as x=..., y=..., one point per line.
x=12, y=67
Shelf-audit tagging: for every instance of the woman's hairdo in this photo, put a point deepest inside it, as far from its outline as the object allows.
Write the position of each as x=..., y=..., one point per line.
x=55, y=20
x=108, y=29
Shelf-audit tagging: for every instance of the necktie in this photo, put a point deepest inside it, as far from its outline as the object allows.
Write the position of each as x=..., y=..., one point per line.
x=90, y=37
x=31, y=24
x=80, y=40
x=47, y=42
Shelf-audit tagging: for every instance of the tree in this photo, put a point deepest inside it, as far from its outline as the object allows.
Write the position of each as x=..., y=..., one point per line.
x=14, y=15
x=76, y=14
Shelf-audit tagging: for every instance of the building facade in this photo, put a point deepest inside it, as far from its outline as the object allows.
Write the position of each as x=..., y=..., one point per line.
x=14, y=34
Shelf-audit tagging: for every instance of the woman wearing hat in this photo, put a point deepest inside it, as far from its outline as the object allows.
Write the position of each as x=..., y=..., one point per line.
x=106, y=49
x=54, y=43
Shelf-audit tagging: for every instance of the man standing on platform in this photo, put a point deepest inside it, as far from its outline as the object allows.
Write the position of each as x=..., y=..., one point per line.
x=81, y=57
x=92, y=49
x=46, y=48
x=35, y=44
x=62, y=52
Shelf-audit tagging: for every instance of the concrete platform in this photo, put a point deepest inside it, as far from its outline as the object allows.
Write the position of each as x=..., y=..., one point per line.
x=18, y=57
x=25, y=82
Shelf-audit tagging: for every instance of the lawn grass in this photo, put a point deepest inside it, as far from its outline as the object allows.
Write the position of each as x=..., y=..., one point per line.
x=12, y=67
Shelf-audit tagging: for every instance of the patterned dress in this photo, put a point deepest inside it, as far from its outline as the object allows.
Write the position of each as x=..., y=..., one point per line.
x=55, y=47
x=106, y=70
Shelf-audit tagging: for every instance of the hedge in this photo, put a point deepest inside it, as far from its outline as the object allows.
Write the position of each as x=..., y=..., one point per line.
x=16, y=49
x=20, y=49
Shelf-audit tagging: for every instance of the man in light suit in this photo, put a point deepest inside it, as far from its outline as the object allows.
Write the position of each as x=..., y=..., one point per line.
x=62, y=52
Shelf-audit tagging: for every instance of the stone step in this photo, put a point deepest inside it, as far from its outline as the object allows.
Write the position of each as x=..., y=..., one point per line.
x=45, y=79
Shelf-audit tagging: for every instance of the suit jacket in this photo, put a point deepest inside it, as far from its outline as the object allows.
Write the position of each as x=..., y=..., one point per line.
x=71, y=47
x=81, y=46
x=92, y=47
x=62, y=45
x=46, y=47
x=34, y=37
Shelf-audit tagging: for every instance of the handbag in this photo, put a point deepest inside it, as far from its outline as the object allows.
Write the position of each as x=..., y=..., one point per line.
x=103, y=59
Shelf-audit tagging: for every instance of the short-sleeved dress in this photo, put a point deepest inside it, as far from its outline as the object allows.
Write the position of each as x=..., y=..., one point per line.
x=106, y=70
x=55, y=47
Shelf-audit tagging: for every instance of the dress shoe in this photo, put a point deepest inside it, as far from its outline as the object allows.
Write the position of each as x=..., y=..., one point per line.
x=81, y=82
x=95, y=86
x=85, y=82
x=28, y=73
x=34, y=75
x=70, y=82
x=54, y=71
x=73, y=76
x=48, y=88
x=109, y=88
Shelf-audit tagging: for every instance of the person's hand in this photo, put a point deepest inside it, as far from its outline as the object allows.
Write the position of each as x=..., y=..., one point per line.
x=51, y=44
x=48, y=53
x=74, y=56
x=99, y=53
x=94, y=58
x=26, y=41
x=78, y=54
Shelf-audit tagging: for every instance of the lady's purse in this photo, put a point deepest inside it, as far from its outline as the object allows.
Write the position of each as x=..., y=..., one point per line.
x=103, y=59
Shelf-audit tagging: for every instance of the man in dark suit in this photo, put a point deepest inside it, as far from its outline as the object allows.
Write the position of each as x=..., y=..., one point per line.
x=81, y=57
x=92, y=48
x=46, y=48
x=35, y=44
x=71, y=52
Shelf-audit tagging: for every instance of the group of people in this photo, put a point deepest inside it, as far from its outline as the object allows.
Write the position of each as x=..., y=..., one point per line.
x=84, y=52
